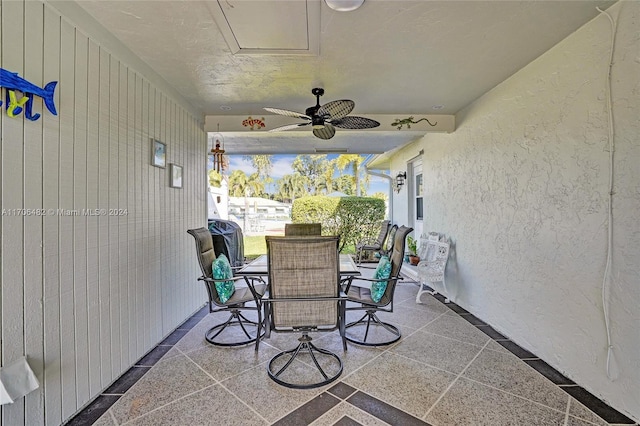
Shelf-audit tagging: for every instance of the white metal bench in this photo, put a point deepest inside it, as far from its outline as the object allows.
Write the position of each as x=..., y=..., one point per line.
x=434, y=253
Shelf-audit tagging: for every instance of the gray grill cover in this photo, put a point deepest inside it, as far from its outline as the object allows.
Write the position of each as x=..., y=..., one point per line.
x=227, y=240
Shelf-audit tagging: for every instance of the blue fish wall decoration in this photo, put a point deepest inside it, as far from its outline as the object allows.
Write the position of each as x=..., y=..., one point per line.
x=12, y=82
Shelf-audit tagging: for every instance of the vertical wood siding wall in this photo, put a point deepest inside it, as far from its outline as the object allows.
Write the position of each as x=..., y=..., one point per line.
x=84, y=297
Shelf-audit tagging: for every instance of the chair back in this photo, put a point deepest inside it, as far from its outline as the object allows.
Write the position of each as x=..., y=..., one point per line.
x=390, y=239
x=303, y=268
x=396, y=258
x=301, y=229
x=204, y=249
x=384, y=229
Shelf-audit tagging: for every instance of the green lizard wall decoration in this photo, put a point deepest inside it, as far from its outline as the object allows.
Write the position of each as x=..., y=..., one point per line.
x=409, y=121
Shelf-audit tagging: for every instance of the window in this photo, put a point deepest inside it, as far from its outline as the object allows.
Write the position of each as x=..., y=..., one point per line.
x=418, y=195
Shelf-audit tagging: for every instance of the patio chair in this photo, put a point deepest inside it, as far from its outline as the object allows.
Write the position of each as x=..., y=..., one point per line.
x=389, y=241
x=301, y=229
x=432, y=265
x=304, y=296
x=372, y=246
x=252, y=292
x=362, y=296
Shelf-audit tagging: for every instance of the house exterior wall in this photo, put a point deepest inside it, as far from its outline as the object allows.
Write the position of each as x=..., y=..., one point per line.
x=84, y=297
x=522, y=188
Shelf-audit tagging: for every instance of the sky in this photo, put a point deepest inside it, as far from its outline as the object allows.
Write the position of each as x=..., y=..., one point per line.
x=281, y=165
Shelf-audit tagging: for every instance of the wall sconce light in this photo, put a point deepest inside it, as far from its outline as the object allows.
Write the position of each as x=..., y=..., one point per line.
x=400, y=178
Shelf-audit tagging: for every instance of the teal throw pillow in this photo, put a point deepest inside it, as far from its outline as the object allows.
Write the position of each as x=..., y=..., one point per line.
x=383, y=271
x=221, y=271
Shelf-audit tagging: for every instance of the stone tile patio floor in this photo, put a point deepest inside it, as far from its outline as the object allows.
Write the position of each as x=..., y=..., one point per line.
x=449, y=368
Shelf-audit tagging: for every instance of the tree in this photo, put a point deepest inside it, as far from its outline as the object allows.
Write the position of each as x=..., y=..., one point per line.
x=215, y=178
x=291, y=187
x=353, y=160
x=345, y=184
x=314, y=168
x=237, y=183
x=255, y=185
x=262, y=164
x=324, y=184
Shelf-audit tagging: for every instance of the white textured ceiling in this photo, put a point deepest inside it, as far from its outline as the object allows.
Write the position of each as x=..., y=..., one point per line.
x=390, y=56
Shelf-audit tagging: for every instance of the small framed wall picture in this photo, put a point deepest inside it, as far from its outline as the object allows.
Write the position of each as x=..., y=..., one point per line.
x=176, y=176
x=158, y=153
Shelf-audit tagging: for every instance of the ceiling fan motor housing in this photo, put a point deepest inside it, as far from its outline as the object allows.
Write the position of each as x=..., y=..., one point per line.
x=317, y=121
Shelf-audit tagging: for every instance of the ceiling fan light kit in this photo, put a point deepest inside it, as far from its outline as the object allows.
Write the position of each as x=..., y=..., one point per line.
x=324, y=119
x=344, y=5
x=317, y=123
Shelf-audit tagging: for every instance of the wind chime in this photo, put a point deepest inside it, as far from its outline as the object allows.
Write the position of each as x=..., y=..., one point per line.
x=218, y=152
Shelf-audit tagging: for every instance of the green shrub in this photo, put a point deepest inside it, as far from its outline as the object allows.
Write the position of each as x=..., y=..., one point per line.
x=351, y=218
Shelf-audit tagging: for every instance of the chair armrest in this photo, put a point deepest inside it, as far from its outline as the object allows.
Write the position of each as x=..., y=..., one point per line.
x=249, y=279
x=345, y=283
x=366, y=242
x=433, y=266
x=235, y=269
x=212, y=280
x=377, y=280
x=372, y=280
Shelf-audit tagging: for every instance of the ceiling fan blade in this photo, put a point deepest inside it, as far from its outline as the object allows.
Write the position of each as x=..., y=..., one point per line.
x=337, y=109
x=288, y=113
x=327, y=132
x=353, y=122
x=289, y=127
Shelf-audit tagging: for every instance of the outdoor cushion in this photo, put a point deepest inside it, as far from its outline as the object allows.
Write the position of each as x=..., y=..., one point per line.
x=383, y=270
x=222, y=270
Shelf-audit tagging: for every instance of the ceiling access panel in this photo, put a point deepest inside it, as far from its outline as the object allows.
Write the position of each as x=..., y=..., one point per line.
x=269, y=27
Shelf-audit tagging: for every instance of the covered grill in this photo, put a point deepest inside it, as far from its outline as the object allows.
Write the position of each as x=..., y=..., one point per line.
x=227, y=240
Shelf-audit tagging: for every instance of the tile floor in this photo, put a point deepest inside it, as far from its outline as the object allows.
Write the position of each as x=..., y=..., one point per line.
x=449, y=368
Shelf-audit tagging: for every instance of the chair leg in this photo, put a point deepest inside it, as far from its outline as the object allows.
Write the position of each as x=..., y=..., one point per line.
x=235, y=319
x=372, y=318
x=305, y=346
x=422, y=291
x=446, y=295
x=259, y=326
x=219, y=328
x=267, y=320
x=310, y=348
x=343, y=321
x=240, y=318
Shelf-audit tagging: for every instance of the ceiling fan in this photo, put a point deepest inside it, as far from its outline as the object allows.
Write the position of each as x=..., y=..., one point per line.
x=324, y=119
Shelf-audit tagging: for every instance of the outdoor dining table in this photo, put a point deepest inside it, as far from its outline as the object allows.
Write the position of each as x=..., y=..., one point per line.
x=259, y=267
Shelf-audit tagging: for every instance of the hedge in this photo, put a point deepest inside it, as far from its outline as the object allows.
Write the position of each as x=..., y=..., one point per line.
x=353, y=219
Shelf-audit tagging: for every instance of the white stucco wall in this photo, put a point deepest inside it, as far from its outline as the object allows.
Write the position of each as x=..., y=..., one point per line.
x=522, y=187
